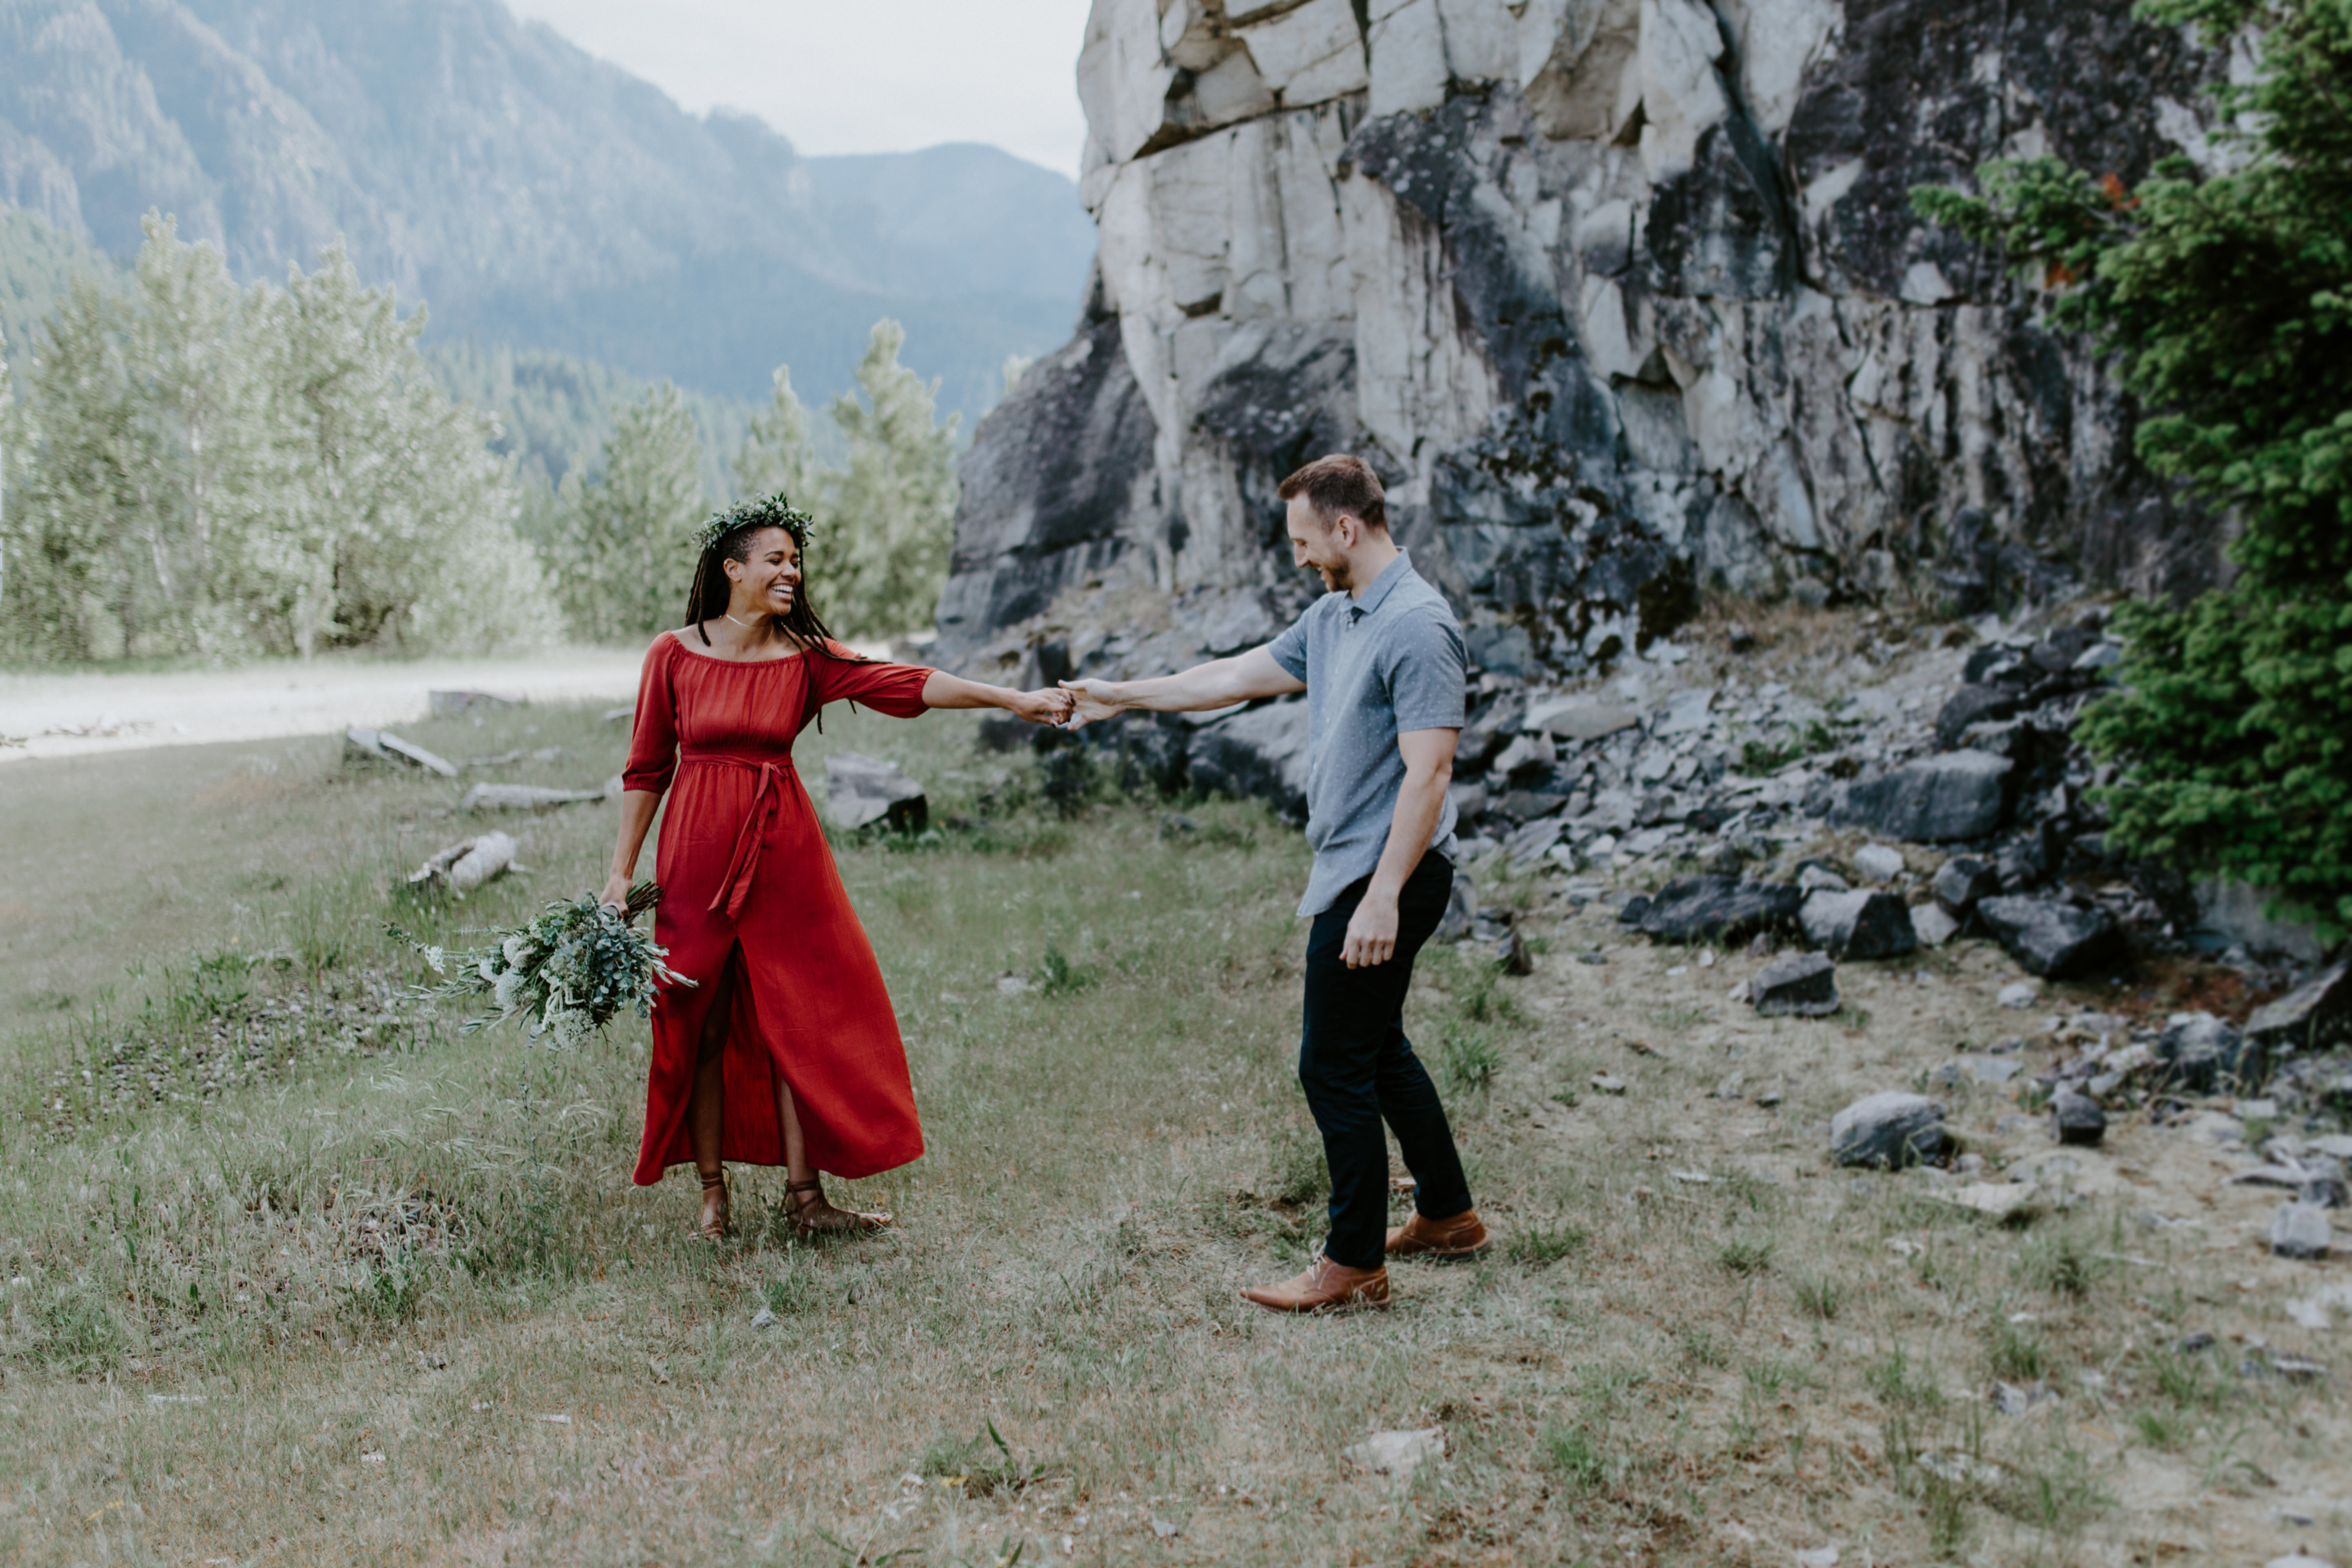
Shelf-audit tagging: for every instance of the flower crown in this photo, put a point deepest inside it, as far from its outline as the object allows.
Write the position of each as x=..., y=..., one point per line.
x=769, y=511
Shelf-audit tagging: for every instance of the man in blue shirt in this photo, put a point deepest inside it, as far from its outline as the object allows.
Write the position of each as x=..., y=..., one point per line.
x=1382, y=662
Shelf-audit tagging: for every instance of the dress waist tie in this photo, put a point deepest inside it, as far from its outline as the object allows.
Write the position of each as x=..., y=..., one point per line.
x=766, y=800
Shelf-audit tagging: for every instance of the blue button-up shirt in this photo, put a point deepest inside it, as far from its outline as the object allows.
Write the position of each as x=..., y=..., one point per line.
x=1376, y=668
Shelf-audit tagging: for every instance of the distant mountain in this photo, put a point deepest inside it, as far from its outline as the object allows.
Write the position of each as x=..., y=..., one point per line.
x=531, y=195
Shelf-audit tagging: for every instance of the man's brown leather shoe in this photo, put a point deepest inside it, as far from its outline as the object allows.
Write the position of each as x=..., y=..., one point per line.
x=1463, y=1236
x=1326, y=1287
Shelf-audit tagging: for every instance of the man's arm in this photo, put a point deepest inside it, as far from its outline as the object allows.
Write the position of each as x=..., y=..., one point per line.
x=1220, y=683
x=1428, y=769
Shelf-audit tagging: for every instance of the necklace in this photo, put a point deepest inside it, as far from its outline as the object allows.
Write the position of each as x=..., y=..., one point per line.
x=745, y=625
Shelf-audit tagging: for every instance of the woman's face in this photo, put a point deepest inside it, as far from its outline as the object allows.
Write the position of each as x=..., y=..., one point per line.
x=768, y=577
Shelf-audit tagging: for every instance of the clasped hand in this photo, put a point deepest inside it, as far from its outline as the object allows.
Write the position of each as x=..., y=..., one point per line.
x=1046, y=706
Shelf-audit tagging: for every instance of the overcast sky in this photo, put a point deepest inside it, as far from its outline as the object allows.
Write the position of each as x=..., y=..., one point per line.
x=856, y=76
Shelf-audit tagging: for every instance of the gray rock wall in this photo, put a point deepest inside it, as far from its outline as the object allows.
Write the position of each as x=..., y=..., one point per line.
x=1622, y=297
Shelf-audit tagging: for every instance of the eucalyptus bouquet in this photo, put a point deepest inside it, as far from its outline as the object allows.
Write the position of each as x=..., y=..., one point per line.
x=565, y=972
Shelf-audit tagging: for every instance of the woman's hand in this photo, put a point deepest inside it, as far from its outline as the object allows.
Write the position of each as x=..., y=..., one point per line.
x=1048, y=706
x=616, y=891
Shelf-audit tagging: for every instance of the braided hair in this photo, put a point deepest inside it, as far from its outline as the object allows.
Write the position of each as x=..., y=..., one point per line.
x=728, y=537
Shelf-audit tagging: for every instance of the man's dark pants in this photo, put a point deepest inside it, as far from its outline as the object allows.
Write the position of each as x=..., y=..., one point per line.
x=1359, y=1069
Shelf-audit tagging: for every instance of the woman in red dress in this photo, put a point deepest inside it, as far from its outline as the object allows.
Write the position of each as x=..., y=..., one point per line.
x=785, y=1050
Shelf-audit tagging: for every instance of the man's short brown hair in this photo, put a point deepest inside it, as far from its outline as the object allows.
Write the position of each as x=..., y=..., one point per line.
x=1337, y=484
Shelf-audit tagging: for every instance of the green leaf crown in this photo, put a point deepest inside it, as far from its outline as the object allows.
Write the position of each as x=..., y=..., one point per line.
x=767, y=511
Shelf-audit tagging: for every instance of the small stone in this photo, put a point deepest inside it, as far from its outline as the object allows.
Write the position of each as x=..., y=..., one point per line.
x=2078, y=1119
x=1859, y=925
x=1803, y=985
x=2019, y=995
x=1932, y=926
x=2052, y=939
x=1605, y=1084
x=2298, y=1559
x=1955, y=795
x=1717, y=909
x=2316, y=1013
x=1581, y=719
x=861, y=790
x=2301, y=1230
x=1395, y=1453
x=1011, y=985
x=1511, y=954
x=2205, y=1054
x=1878, y=862
x=764, y=1318
x=1812, y=877
x=1963, y=882
x=1888, y=1129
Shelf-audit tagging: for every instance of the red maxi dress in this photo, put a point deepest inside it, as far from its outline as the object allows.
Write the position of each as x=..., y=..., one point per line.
x=747, y=879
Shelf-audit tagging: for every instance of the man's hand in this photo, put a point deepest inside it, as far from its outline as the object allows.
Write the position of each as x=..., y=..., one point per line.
x=1089, y=702
x=1046, y=706
x=1372, y=930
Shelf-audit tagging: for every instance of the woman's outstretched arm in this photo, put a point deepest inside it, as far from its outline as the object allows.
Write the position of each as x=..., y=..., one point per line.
x=941, y=690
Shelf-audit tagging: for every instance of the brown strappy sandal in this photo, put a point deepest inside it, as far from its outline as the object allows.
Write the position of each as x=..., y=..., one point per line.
x=714, y=1229
x=809, y=1196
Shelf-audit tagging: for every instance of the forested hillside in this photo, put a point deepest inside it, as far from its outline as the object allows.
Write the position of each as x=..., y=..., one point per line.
x=531, y=195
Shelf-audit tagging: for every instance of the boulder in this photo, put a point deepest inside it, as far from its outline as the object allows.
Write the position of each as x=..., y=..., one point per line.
x=2077, y=1118
x=1959, y=795
x=1890, y=1129
x=1963, y=882
x=1461, y=908
x=2204, y=1054
x=1719, y=908
x=2314, y=1014
x=1802, y=986
x=382, y=746
x=1260, y=753
x=861, y=791
x=1858, y=924
x=2052, y=939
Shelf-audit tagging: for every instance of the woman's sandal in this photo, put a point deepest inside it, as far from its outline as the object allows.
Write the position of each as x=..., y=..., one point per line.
x=713, y=1227
x=808, y=1197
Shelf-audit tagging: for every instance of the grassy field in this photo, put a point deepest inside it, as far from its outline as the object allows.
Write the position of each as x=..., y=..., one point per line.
x=292, y=1272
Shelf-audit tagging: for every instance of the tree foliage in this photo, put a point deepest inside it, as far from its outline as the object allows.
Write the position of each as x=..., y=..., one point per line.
x=2226, y=296
x=623, y=557
x=890, y=516
x=199, y=469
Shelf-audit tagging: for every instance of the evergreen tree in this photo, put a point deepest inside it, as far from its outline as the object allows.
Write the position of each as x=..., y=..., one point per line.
x=397, y=526
x=2228, y=298
x=203, y=470
x=776, y=457
x=629, y=558
x=890, y=517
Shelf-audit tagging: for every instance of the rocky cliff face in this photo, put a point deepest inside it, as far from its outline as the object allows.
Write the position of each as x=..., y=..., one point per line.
x=1622, y=297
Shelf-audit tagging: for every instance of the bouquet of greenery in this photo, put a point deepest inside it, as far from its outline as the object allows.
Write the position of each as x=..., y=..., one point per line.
x=565, y=972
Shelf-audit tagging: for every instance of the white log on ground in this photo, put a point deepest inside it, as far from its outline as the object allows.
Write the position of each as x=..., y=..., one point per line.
x=467, y=864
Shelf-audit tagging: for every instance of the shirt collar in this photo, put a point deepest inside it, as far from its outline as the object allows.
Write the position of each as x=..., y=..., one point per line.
x=1395, y=571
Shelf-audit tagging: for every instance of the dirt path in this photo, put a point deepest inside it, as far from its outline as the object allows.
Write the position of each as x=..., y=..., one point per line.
x=57, y=715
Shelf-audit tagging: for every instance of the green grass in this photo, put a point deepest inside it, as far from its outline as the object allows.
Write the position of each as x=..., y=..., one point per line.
x=264, y=1214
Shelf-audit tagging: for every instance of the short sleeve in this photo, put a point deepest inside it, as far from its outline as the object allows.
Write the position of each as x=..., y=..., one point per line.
x=653, y=737
x=1428, y=672
x=1290, y=649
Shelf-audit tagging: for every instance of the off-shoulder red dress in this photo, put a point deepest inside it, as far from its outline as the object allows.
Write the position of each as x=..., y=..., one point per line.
x=746, y=877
